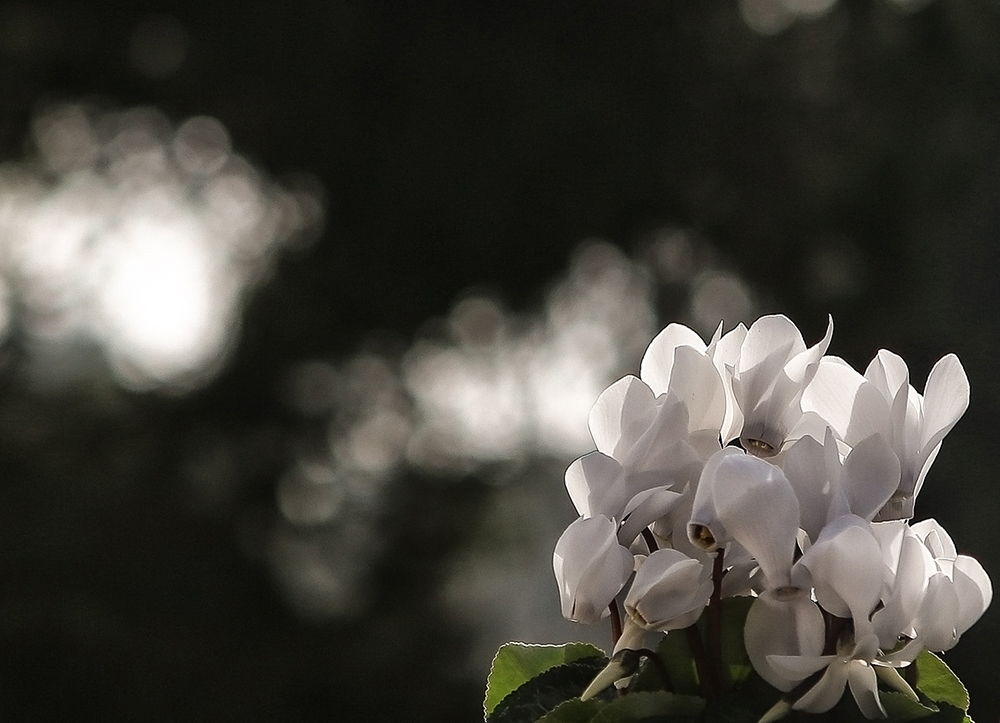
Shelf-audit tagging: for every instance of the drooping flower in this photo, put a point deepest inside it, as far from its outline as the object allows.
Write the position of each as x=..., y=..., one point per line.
x=958, y=591
x=590, y=568
x=669, y=591
x=745, y=499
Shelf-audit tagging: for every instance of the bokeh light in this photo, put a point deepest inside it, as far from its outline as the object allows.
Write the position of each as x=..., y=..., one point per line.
x=500, y=395
x=124, y=232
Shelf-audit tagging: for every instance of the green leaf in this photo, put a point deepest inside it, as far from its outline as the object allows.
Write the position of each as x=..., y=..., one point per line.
x=574, y=711
x=936, y=681
x=546, y=691
x=675, y=654
x=901, y=708
x=517, y=663
x=736, y=663
x=659, y=705
x=743, y=704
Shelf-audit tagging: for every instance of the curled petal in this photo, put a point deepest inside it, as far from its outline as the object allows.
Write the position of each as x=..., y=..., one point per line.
x=847, y=570
x=946, y=397
x=750, y=502
x=864, y=687
x=725, y=354
x=644, y=509
x=620, y=415
x=596, y=484
x=590, y=568
x=783, y=622
x=828, y=691
x=975, y=591
x=657, y=363
x=669, y=591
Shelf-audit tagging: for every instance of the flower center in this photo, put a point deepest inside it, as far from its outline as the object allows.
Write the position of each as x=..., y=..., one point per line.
x=703, y=537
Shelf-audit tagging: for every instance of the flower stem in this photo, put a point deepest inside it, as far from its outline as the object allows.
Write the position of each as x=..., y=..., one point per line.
x=616, y=623
x=715, y=615
x=706, y=675
x=834, y=628
x=650, y=541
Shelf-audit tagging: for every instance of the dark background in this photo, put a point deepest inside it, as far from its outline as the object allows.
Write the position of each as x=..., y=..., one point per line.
x=463, y=146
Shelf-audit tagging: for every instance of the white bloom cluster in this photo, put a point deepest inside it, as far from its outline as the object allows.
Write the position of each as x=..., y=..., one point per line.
x=808, y=512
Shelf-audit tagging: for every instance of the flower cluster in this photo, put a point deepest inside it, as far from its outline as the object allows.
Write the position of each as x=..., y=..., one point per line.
x=753, y=465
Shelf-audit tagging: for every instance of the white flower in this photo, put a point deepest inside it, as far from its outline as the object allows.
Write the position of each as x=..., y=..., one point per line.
x=669, y=591
x=642, y=443
x=678, y=361
x=590, y=568
x=845, y=570
x=918, y=422
x=908, y=567
x=851, y=666
x=745, y=499
x=841, y=573
x=768, y=379
x=783, y=621
x=958, y=591
x=829, y=484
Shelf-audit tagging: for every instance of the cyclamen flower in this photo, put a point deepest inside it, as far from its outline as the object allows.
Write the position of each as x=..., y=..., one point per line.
x=768, y=377
x=792, y=516
x=590, y=568
x=669, y=591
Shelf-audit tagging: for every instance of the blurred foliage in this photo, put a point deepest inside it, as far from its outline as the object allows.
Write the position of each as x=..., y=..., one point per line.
x=847, y=164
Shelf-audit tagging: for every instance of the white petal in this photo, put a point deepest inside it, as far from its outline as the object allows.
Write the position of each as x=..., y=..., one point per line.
x=800, y=667
x=946, y=397
x=704, y=529
x=913, y=567
x=827, y=692
x=832, y=391
x=644, y=509
x=870, y=476
x=768, y=340
x=864, y=688
x=697, y=383
x=657, y=362
x=935, y=623
x=725, y=355
x=801, y=367
x=654, y=448
x=758, y=508
x=847, y=570
x=851, y=404
x=590, y=568
x=975, y=591
x=936, y=538
x=596, y=484
x=614, y=416
x=806, y=470
x=669, y=591
x=888, y=372
x=782, y=623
